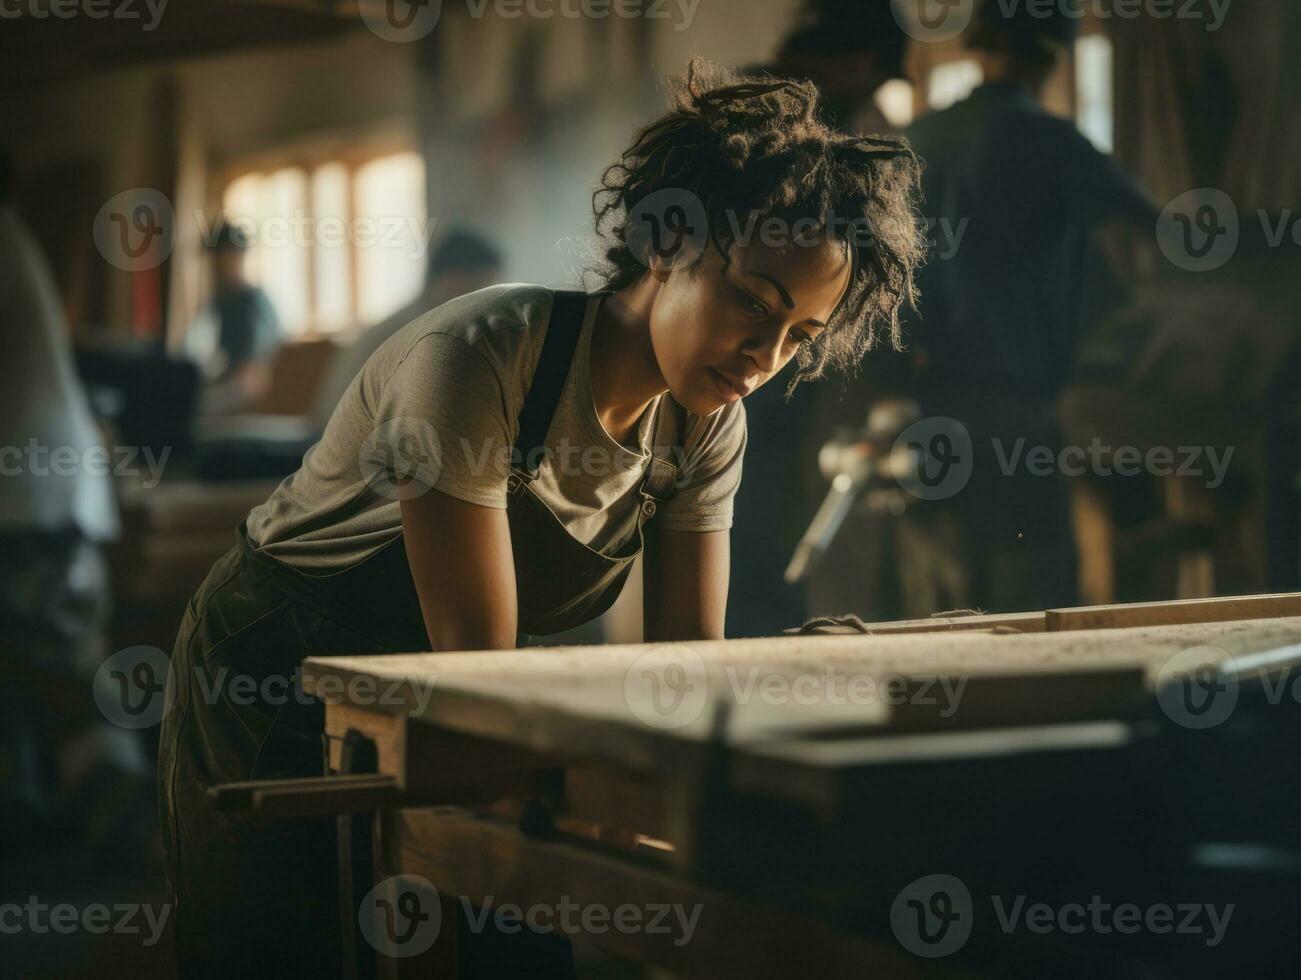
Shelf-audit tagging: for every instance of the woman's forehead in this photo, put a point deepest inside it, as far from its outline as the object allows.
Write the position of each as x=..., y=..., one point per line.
x=809, y=271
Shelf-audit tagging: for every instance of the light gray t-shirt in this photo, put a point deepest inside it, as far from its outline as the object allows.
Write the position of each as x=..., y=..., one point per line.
x=440, y=402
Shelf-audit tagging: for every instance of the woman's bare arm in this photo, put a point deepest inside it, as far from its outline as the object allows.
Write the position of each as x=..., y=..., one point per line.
x=685, y=584
x=461, y=561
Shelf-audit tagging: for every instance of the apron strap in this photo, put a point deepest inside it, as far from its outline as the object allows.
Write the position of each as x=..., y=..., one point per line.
x=563, y=330
x=567, y=314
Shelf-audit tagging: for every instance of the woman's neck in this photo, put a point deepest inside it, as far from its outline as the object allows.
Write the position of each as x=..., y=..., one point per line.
x=626, y=377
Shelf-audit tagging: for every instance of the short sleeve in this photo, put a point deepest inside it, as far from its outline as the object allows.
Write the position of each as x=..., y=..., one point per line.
x=440, y=419
x=709, y=472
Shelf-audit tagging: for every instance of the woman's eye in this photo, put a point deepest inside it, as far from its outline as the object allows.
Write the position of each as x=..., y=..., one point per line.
x=751, y=304
x=799, y=337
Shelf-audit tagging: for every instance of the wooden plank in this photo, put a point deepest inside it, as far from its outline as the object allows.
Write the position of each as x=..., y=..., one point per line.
x=1026, y=622
x=1176, y=612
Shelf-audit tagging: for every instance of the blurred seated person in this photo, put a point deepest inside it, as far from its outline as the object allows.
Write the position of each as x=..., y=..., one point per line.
x=235, y=340
x=256, y=446
x=65, y=771
x=464, y=262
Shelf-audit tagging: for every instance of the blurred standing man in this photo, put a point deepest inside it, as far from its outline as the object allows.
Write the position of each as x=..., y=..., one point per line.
x=849, y=49
x=237, y=337
x=56, y=512
x=1001, y=316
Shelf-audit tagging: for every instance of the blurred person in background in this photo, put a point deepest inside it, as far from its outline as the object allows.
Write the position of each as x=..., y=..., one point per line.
x=235, y=340
x=1000, y=319
x=464, y=261
x=849, y=49
x=63, y=766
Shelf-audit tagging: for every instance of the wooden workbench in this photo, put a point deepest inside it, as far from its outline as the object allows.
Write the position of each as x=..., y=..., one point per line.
x=607, y=776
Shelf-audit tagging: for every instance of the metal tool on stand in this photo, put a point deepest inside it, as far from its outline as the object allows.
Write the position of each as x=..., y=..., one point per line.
x=868, y=468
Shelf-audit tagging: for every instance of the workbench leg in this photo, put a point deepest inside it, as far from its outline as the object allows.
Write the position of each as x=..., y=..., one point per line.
x=439, y=962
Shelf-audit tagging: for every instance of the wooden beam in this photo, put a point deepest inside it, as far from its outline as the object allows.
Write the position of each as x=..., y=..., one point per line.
x=1177, y=612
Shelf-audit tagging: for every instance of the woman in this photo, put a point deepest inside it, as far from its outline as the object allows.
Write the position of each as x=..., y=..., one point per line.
x=499, y=463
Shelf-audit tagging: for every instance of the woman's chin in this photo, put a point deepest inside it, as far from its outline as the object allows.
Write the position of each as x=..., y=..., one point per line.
x=698, y=401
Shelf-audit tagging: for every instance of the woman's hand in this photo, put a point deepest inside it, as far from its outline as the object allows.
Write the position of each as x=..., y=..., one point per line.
x=461, y=561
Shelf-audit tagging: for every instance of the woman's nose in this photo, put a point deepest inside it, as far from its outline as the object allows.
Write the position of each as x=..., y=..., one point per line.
x=765, y=350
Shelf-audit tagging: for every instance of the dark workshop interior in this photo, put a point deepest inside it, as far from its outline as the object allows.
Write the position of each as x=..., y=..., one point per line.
x=650, y=488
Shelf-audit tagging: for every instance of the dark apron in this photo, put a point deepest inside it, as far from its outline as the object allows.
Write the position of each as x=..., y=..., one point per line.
x=259, y=898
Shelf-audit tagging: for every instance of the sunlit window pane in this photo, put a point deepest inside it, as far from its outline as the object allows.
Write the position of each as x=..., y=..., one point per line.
x=952, y=82
x=239, y=206
x=895, y=100
x=330, y=248
x=390, y=233
x=280, y=253
x=1095, y=112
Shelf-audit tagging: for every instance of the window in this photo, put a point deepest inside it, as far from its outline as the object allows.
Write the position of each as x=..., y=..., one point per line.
x=952, y=81
x=337, y=245
x=895, y=100
x=1094, y=110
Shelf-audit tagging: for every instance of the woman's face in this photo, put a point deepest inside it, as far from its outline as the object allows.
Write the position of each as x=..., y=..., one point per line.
x=720, y=331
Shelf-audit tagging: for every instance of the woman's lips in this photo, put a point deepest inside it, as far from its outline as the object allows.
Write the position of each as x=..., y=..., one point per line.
x=730, y=390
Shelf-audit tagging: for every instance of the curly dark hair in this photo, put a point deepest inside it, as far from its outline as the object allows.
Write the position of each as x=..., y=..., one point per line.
x=754, y=146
